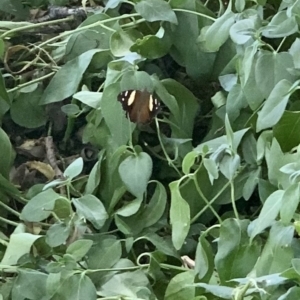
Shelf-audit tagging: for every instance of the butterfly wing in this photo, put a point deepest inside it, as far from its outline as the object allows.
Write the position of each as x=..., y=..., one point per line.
x=140, y=106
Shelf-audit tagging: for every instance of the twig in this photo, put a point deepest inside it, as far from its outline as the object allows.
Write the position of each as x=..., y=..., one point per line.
x=51, y=156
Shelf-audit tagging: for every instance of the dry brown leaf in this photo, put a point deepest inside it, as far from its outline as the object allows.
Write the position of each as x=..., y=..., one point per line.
x=32, y=148
x=43, y=168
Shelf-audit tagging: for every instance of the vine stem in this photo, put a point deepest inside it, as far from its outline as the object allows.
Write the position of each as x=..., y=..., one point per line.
x=205, y=233
x=194, y=13
x=33, y=26
x=20, y=86
x=225, y=186
x=99, y=23
x=233, y=200
x=14, y=212
x=9, y=269
x=280, y=45
x=8, y=222
x=206, y=200
x=170, y=162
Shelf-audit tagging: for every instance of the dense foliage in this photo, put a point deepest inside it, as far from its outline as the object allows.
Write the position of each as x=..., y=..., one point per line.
x=202, y=203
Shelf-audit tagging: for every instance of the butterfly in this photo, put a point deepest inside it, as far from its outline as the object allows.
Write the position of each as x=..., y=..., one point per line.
x=140, y=106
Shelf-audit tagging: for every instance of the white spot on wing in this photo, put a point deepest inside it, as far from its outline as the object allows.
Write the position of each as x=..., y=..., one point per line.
x=151, y=103
x=131, y=98
x=156, y=104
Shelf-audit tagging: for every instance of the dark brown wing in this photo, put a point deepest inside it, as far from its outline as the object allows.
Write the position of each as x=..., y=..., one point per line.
x=140, y=106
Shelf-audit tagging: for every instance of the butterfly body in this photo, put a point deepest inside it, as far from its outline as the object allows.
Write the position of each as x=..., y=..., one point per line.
x=140, y=106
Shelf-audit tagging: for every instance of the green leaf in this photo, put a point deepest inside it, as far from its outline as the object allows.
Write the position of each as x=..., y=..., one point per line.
x=156, y=10
x=236, y=256
x=54, y=183
x=274, y=106
x=130, y=209
x=7, y=154
x=263, y=140
x=276, y=159
x=180, y=287
x=251, y=183
x=136, y=80
x=249, y=148
x=179, y=216
x=2, y=52
x=92, y=209
x=74, y=169
x=96, y=37
x=236, y=101
x=70, y=110
x=278, y=252
x=112, y=110
x=228, y=81
x=254, y=97
x=28, y=104
x=120, y=42
x=163, y=245
x=3, y=93
x=31, y=284
x=156, y=207
x=116, y=68
x=268, y=280
x=16, y=8
x=61, y=87
x=240, y=5
x=286, y=131
x=95, y=175
x=204, y=264
x=185, y=50
x=148, y=214
x=63, y=208
x=229, y=133
x=184, y=111
x=7, y=187
x=270, y=69
x=57, y=234
x=214, y=144
x=217, y=34
x=78, y=287
x=132, y=285
x=111, y=187
x=229, y=165
x=291, y=294
x=296, y=264
x=40, y=206
x=290, y=201
x=248, y=62
x=112, y=4
x=268, y=213
x=212, y=169
x=79, y=248
x=280, y=26
x=19, y=245
x=222, y=292
x=54, y=280
x=265, y=189
x=295, y=52
x=104, y=253
x=153, y=46
x=189, y=161
x=91, y=99
x=135, y=172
